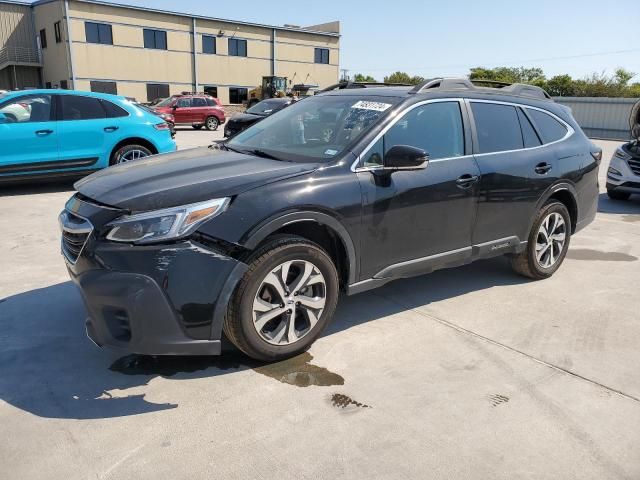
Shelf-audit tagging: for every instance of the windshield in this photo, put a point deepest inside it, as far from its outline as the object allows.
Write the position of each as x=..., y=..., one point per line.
x=164, y=103
x=266, y=107
x=314, y=129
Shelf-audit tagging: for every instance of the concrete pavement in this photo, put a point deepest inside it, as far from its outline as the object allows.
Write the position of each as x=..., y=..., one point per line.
x=465, y=373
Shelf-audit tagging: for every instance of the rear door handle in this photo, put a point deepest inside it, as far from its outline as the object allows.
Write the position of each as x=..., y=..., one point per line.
x=110, y=129
x=466, y=180
x=543, y=168
x=43, y=133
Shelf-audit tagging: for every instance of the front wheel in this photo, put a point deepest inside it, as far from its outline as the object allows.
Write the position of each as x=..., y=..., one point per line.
x=284, y=301
x=615, y=195
x=548, y=243
x=212, y=123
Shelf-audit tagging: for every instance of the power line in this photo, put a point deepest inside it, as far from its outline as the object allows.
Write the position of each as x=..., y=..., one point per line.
x=511, y=62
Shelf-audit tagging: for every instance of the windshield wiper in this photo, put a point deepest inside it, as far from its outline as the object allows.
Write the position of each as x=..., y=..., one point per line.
x=261, y=153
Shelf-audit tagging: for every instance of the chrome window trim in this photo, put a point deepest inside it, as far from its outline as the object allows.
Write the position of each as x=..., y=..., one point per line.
x=399, y=115
x=570, y=130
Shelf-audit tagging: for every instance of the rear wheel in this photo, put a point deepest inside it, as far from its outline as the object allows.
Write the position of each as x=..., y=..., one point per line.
x=129, y=153
x=212, y=123
x=548, y=243
x=284, y=301
x=615, y=195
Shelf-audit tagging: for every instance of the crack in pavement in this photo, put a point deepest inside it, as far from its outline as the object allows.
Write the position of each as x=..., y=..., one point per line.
x=466, y=331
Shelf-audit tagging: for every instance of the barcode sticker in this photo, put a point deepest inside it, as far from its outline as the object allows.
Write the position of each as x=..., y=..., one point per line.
x=376, y=106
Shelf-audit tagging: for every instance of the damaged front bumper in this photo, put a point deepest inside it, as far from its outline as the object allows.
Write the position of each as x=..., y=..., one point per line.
x=155, y=299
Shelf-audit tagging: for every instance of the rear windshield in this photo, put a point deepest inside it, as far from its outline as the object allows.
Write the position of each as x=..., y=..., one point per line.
x=315, y=129
x=166, y=102
x=267, y=107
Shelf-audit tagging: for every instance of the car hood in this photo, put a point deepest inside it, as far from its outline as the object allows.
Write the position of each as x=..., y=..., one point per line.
x=184, y=177
x=246, y=118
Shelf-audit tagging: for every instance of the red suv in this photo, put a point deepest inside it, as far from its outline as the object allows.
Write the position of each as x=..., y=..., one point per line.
x=195, y=109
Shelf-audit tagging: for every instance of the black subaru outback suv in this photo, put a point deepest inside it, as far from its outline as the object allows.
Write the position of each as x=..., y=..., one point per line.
x=345, y=191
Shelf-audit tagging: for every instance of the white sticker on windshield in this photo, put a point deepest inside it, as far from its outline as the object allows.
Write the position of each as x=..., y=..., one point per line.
x=375, y=106
x=330, y=152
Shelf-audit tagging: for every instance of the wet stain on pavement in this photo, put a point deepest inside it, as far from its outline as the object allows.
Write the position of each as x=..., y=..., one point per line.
x=297, y=371
x=498, y=399
x=339, y=400
x=588, y=254
x=631, y=218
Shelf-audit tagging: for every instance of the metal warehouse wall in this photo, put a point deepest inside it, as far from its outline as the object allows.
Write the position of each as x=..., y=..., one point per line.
x=16, y=26
x=605, y=118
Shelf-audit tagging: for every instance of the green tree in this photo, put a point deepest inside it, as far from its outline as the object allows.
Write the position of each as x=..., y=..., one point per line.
x=561, y=86
x=403, y=77
x=508, y=74
x=622, y=76
x=359, y=77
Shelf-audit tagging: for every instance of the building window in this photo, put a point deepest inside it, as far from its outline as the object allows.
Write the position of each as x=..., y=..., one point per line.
x=64, y=84
x=156, y=39
x=98, y=33
x=321, y=55
x=57, y=32
x=237, y=47
x=212, y=91
x=156, y=91
x=104, y=87
x=237, y=95
x=43, y=38
x=208, y=44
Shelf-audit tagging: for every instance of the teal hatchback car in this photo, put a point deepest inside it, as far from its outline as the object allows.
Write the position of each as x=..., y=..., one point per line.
x=48, y=133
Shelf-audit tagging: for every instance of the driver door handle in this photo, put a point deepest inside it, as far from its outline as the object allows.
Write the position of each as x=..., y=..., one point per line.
x=43, y=133
x=110, y=129
x=543, y=168
x=466, y=180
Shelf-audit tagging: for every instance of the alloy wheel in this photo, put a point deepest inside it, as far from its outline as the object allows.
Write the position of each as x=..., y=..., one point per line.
x=550, y=241
x=131, y=155
x=212, y=123
x=289, y=302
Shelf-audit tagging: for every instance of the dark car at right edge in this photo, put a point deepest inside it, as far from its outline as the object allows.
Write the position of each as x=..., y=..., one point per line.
x=342, y=192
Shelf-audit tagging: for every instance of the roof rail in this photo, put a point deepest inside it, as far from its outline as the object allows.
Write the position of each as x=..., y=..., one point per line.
x=349, y=84
x=519, y=89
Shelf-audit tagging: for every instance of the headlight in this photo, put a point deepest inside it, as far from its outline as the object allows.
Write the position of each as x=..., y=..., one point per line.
x=168, y=224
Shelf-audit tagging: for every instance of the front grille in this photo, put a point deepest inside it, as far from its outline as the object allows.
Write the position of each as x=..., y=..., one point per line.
x=634, y=165
x=75, y=233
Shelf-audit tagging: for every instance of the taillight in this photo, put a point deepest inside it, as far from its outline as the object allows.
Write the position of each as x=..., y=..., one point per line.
x=161, y=126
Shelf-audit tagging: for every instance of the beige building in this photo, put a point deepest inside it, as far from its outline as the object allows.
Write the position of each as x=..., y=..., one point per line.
x=147, y=53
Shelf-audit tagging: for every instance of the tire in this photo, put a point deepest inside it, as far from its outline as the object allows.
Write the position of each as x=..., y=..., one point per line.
x=527, y=263
x=197, y=127
x=615, y=195
x=129, y=153
x=212, y=123
x=271, y=340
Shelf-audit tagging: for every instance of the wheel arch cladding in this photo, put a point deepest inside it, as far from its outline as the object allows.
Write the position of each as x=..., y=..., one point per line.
x=320, y=228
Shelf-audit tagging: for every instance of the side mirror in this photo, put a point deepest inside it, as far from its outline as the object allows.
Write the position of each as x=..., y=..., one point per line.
x=405, y=157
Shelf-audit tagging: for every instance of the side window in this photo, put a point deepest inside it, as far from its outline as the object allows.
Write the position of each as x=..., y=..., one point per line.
x=529, y=135
x=183, y=103
x=81, y=108
x=113, y=110
x=497, y=127
x=199, y=102
x=436, y=128
x=27, y=110
x=550, y=129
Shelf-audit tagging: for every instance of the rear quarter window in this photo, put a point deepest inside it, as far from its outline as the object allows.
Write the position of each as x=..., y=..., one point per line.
x=113, y=110
x=550, y=129
x=497, y=127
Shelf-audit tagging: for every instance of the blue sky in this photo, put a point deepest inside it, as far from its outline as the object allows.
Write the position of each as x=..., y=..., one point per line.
x=432, y=38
